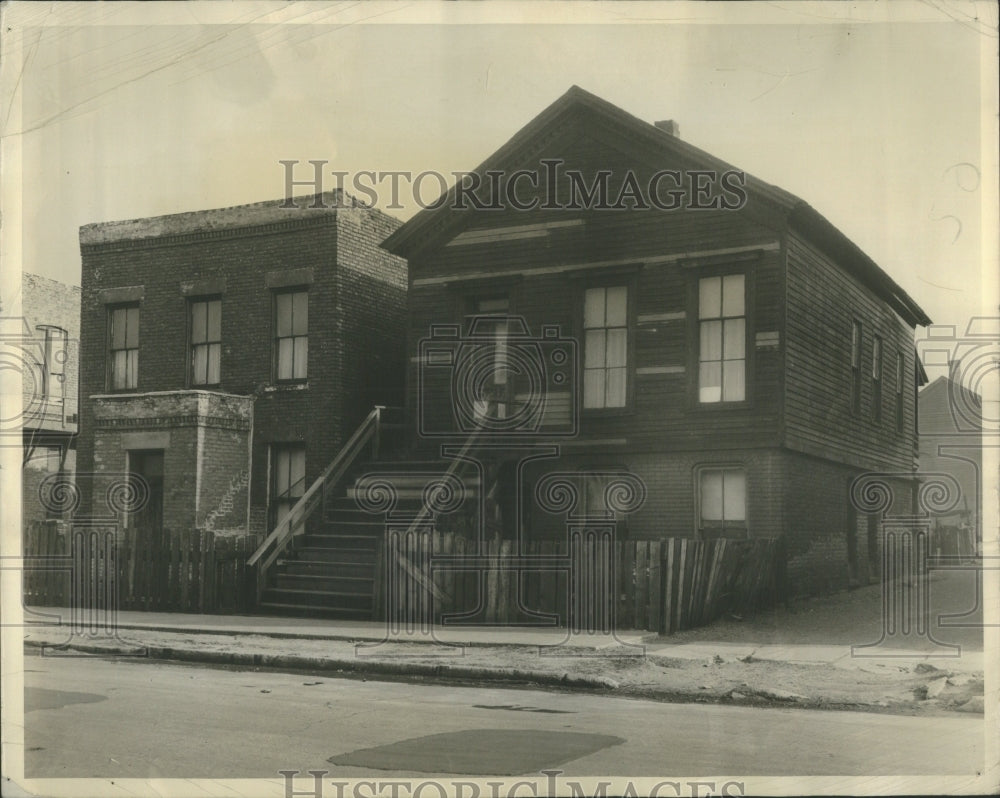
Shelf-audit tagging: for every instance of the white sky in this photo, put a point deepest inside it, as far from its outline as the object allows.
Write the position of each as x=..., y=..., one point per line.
x=877, y=124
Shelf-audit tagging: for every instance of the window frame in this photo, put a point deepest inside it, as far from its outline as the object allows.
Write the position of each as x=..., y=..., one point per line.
x=48, y=360
x=900, y=380
x=274, y=502
x=110, y=310
x=191, y=302
x=856, y=363
x=878, y=377
x=700, y=525
x=698, y=273
x=626, y=280
x=276, y=339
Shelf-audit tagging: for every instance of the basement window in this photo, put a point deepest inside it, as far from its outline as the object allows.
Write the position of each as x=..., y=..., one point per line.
x=722, y=502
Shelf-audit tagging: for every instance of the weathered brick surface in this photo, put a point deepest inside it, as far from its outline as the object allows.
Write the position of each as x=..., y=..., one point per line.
x=48, y=420
x=353, y=282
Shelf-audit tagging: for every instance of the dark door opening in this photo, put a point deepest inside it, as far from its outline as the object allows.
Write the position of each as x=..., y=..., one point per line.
x=147, y=466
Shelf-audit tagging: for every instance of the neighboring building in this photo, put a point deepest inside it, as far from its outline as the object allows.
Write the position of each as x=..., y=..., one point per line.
x=227, y=354
x=737, y=353
x=50, y=335
x=950, y=423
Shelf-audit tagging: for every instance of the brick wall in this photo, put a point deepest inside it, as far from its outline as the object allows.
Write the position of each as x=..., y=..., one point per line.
x=356, y=313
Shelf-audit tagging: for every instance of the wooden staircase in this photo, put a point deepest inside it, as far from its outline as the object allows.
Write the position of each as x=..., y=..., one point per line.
x=324, y=564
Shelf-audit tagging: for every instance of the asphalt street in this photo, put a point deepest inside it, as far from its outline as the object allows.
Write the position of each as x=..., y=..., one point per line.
x=88, y=717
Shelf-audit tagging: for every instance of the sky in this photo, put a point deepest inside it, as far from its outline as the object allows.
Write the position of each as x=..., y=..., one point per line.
x=872, y=113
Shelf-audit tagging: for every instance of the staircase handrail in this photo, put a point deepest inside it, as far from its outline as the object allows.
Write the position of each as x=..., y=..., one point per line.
x=293, y=524
x=427, y=582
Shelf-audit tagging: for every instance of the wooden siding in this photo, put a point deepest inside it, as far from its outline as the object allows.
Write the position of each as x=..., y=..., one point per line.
x=822, y=302
x=663, y=412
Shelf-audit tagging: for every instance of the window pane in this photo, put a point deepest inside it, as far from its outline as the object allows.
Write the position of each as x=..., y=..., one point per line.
x=283, y=314
x=732, y=295
x=118, y=328
x=300, y=313
x=214, y=358
x=118, y=360
x=301, y=357
x=285, y=359
x=199, y=365
x=711, y=340
x=131, y=368
x=617, y=347
x=199, y=314
x=297, y=472
x=710, y=382
x=735, y=496
x=615, y=388
x=593, y=388
x=594, y=350
x=617, y=307
x=709, y=297
x=213, y=331
x=711, y=496
x=281, y=468
x=734, y=381
x=593, y=308
x=734, y=338
x=855, y=345
x=877, y=359
x=493, y=305
x=132, y=327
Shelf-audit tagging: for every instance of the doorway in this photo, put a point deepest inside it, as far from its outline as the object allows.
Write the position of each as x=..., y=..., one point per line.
x=147, y=466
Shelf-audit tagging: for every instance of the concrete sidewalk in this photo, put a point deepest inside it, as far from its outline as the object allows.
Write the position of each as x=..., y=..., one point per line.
x=623, y=643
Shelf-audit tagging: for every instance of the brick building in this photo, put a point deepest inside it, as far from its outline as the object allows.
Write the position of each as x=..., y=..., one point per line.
x=734, y=350
x=48, y=339
x=227, y=354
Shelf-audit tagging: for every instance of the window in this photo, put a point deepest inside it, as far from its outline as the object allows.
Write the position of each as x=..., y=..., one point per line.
x=288, y=477
x=722, y=494
x=54, y=367
x=123, y=355
x=291, y=335
x=876, y=379
x=899, y=391
x=856, y=367
x=722, y=339
x=206, y=341
x=490, y=320
x=605, y=362
x=44, y=458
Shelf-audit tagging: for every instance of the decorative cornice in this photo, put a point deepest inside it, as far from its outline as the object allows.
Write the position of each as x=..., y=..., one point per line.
x=174, y=239
x=163, y=422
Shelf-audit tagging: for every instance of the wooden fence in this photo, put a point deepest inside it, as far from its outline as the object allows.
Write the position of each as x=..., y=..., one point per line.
x=150, y=569
x=593, y=584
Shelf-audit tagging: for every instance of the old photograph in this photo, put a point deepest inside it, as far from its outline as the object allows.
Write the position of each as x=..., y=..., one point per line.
x=499, y=399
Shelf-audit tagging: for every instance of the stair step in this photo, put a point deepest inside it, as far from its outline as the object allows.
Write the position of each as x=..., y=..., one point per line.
x=329, y=599
x=336, y=556
x=352, y=585
x=323, y=568
x=339, y=541
x=314, y=611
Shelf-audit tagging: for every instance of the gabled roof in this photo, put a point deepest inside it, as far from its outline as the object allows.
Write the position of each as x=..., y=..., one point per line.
x=437, y=223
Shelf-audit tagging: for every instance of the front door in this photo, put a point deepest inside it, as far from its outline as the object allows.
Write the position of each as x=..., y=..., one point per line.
x=147, y=467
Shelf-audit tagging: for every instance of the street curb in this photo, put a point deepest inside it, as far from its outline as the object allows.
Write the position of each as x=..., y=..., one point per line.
x=359, y=666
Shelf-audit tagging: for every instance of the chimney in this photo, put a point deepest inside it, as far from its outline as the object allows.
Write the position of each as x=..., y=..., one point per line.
x=669, y=126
